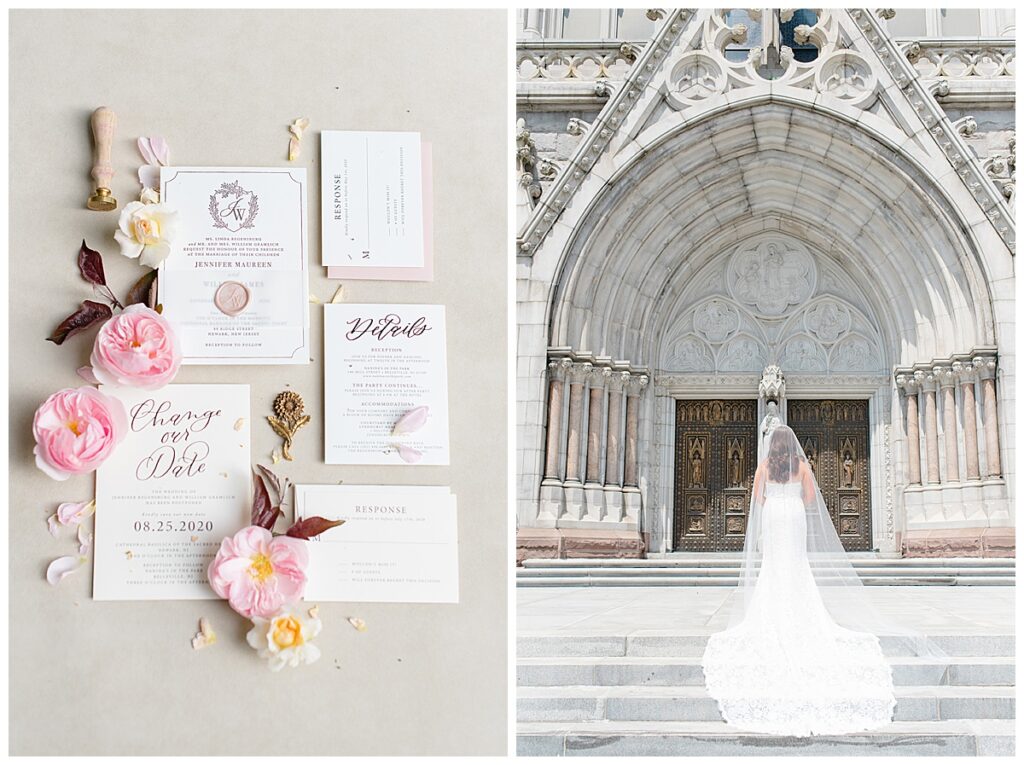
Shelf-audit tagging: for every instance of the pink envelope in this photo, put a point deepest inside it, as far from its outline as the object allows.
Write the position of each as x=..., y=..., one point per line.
x=424, y=274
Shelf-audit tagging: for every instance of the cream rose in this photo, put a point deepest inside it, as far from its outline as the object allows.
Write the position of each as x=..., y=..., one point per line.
x=145, y=232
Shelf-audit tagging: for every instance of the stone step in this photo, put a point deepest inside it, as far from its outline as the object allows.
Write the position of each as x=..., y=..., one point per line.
x=676, y=645
x=734, y=560
x=966, y=738
x=692, y=703
x=687, y=671
x=603, y=579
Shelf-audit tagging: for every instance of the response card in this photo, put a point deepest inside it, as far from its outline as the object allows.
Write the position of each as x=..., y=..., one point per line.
x=171, y=491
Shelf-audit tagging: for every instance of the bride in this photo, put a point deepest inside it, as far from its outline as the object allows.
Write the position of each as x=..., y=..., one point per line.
x=790, y=664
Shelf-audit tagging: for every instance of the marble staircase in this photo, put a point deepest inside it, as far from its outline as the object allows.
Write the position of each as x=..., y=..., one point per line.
x=643, y=693
x=722, y=569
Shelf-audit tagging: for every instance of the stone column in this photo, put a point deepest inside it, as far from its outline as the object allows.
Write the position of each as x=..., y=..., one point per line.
x=552, y=494
x=909, y=387
x=947, y=387
x=593, y=488
x=631, y=472
x=574, y=503
x=931, y=425
x=613, y=451
x=987, y=368
x=965, y=374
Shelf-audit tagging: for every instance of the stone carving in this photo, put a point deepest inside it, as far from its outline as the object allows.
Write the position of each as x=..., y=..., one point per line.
x=695, y=77
x=848, y=76
x=691, y=354
x=827, y=321
x=741, y=354
x=802, y=354
x=771, y=276
x=773, y=384
x=854, y=354
x=716, y=320
x=951, y=58
x=583, y=63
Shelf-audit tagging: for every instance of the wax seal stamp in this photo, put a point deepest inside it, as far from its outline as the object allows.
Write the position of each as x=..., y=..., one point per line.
x=289, y=410
x=232, y=298
x=104, y=121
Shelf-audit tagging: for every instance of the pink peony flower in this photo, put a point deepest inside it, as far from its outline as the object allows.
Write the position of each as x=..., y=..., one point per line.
x=76, y=429
x=137, y=348
x=259, y=573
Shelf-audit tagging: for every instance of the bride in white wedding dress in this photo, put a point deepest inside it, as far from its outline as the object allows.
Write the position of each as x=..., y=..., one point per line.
x=787, y=664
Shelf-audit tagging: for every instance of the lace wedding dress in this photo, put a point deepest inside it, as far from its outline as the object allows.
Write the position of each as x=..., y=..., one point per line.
x=785, y=666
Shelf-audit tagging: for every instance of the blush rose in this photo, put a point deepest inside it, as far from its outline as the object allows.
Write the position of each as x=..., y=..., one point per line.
x=76, y=429
x=136, y=348
x=259, y=573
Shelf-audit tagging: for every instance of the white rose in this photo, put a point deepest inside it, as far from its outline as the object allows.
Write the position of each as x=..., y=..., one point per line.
x=284, y=640
x=145, y=231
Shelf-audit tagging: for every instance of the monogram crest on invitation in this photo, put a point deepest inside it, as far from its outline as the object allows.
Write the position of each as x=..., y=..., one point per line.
x=233, y=208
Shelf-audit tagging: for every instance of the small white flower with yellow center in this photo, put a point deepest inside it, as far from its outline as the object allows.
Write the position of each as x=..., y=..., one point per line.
x=284, y=640
x=145, y=231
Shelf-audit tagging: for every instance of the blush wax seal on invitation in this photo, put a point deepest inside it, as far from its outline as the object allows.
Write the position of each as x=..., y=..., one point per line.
x=232, y=298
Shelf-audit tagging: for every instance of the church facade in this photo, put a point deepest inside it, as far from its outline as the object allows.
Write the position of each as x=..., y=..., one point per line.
x=746, y=215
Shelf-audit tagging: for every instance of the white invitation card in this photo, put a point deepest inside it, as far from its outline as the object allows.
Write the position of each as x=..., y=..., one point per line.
x=372, y=197
x=381, y=362
x=399, y=544
x=235, y=285
x=171, y=491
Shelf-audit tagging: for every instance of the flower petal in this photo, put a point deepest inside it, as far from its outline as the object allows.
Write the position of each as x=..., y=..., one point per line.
x=408, y=454
x=51, y=523
x=61, y=567
x=161, y=150
x=149, y=176
x=358, y=624
x=155, y=254
x=84, y=541
x=146, y=150
x=87, y=374
x=411, y=421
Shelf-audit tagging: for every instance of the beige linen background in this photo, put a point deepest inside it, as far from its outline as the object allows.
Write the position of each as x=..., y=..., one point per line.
x=221, y=87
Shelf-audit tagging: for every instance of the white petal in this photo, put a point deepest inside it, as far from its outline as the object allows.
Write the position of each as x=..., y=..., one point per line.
x=149, y=176
x=411, y=421
x=146, y=150
x=52, y=524
x=408, y=454
x=155, y=254
x=161, y=150
x=129, y=247
x=61, y=567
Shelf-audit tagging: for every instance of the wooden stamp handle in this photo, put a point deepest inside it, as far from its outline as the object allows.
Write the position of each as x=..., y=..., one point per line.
x=104, y=121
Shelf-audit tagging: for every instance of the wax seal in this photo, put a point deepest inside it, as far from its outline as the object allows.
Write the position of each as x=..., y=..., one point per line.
x=104, y=122
x=232, y=298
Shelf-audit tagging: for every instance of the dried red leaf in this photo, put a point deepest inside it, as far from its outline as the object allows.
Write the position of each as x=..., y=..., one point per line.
x=264, y=514
x=90, y=264
x=88, y=314
x=311, y=527
x=143, y=291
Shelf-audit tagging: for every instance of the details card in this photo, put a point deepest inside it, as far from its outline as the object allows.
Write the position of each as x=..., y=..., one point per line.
x=399, y=544
x=235, y=284
x=372, y=196
x=171, y=491
x=381, y=361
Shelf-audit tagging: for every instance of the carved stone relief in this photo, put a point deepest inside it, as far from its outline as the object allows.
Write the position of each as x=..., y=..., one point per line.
x=803, y=354
x=770, y=276
x=716, y=320
x=691, y=354
x=827, y=321
x=854, y=354
x=742, y=354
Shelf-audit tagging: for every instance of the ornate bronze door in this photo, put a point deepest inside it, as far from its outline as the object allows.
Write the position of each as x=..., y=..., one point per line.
x=834, y=436
x=716, y=455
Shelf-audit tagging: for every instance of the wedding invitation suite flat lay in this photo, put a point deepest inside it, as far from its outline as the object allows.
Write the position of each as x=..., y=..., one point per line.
x=171, y=491
x=380, y=362
x=236, y=280
x=377, y=205
x=399, y=544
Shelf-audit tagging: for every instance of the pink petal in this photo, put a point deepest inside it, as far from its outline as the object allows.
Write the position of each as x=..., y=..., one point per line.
x=86, y=374
x=411, y=421
x=84, y=541
x=161, y=150
x=409, y=454
x=61, y=567
x=146, y=150
x=51, y=523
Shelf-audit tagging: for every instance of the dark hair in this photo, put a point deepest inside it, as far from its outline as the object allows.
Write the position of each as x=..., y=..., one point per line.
x=783, y=455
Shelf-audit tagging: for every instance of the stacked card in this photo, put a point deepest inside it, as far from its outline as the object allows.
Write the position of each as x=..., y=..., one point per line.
x=399, y=544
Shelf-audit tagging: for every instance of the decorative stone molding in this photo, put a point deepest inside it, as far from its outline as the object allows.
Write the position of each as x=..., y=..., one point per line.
x=636, y=384
x=773, y=384
x=962, y=59
x=565, y=61
x=980, y=361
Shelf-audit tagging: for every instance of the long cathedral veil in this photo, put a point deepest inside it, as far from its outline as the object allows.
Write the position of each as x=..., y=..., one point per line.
x=842, y=592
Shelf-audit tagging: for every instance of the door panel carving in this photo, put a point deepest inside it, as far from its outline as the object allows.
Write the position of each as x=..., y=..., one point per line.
x=834, y=436
x=716, y=453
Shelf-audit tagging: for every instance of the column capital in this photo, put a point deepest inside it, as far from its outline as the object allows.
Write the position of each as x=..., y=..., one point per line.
x=599, y=377
x=636, y=384
x=558, y=368
x=925, y=380
x=964, y=371
x=618, y=380
x=907, y=382
x=984, y=366
x=944, y=375
x=578, y=372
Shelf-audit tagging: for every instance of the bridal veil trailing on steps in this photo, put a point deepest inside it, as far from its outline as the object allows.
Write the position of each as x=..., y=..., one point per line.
x=802, y=654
